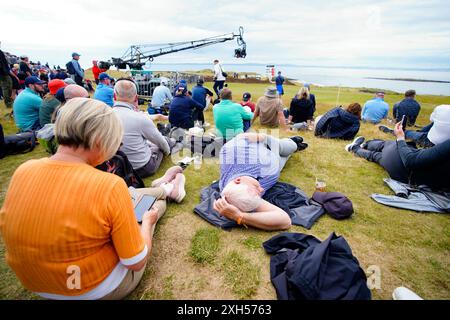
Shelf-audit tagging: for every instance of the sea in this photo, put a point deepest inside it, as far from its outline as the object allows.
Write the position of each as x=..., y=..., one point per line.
x=354, y=77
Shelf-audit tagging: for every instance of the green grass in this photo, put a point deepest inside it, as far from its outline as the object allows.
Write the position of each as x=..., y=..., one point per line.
x=411, y=249
x=205, y=245
x=241, y=275
x=252, y=243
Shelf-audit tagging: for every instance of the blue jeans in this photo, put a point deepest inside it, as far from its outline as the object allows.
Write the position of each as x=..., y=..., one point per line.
x=247, y=125
x=420, y=137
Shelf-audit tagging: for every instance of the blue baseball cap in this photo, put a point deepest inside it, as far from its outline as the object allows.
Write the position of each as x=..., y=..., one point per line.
x=76, y=54
x=104, y=76
x=33, y=80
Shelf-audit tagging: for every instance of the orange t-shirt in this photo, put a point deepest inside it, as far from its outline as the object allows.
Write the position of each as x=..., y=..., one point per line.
x=57, y=215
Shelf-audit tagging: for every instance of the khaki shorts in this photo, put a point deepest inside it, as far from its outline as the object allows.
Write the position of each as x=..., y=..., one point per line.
x=127, y=286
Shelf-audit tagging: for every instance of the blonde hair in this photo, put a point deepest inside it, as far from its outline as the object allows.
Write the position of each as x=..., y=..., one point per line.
x=303, y=93
x=89, y=123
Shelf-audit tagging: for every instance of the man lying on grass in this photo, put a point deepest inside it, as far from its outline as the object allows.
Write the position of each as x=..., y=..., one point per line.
x=251, y=164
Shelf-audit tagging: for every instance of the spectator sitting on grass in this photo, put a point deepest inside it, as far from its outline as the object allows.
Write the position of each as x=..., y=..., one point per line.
x=229, y=117
x=270, y=109
x=27, y=105
x=376, y=109
x=250, y=164
x=431, y=134
x=403, y=163
x=312, y=96
x=65, y=94
x=339, y=123
x=161, y=97
x=408, y=107
x=301, y=110
x=64, y=219
x=182, y=108
x=142, y=142
x=249, y=106
x=104, y=91
x=50, y=103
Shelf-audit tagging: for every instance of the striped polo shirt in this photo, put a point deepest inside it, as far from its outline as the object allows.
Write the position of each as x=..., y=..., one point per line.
x=239, y=157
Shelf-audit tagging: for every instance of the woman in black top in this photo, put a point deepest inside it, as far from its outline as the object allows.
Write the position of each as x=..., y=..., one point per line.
x=302, y=109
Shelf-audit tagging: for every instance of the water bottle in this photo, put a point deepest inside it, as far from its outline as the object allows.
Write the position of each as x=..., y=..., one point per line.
x=198, y=159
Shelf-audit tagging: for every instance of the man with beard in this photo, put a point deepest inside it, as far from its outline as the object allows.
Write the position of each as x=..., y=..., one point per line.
x=27, y=104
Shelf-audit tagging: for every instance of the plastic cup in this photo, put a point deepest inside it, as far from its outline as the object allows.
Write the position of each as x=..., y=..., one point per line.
x=321, y=185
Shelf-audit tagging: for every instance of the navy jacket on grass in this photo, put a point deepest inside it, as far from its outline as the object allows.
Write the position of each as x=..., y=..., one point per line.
x=338, y=124
x=304, y=268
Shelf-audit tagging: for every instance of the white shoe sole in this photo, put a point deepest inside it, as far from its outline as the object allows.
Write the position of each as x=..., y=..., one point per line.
x=349, y=146
x=159, y=181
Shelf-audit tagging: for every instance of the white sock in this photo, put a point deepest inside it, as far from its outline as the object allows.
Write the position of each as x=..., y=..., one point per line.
x=168, y=188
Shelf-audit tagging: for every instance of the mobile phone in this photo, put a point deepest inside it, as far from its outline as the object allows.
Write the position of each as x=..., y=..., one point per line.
x=404, y=122
x=145, y=204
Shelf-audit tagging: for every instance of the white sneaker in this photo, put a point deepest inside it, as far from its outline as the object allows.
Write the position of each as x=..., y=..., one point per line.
x=403, y=293
x=178, y=193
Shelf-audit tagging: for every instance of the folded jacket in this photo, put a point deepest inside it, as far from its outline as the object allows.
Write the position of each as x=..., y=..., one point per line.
x=304, y=268
x=420, y=199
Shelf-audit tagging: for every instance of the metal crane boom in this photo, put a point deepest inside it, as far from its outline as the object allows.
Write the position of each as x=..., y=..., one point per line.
x=137, y=55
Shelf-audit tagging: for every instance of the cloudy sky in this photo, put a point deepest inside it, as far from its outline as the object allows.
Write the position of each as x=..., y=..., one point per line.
x=395, y=33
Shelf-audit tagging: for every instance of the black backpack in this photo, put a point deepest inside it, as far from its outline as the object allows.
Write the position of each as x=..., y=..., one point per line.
x=70, y=68
x=16, y=143
x=121, y=166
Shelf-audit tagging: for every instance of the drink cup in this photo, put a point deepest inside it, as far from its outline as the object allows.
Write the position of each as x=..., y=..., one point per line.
x=321, y=185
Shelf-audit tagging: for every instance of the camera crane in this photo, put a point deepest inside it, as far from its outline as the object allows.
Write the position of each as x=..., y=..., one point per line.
x=137, y=55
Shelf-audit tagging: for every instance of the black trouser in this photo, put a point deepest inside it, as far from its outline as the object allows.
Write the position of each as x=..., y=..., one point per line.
x=218, y=85
x=78, y=80
x=373, y=151
x=198, y=116
x=385, y=153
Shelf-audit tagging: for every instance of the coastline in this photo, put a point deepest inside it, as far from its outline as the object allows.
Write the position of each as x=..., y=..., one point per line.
x=409, y=80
